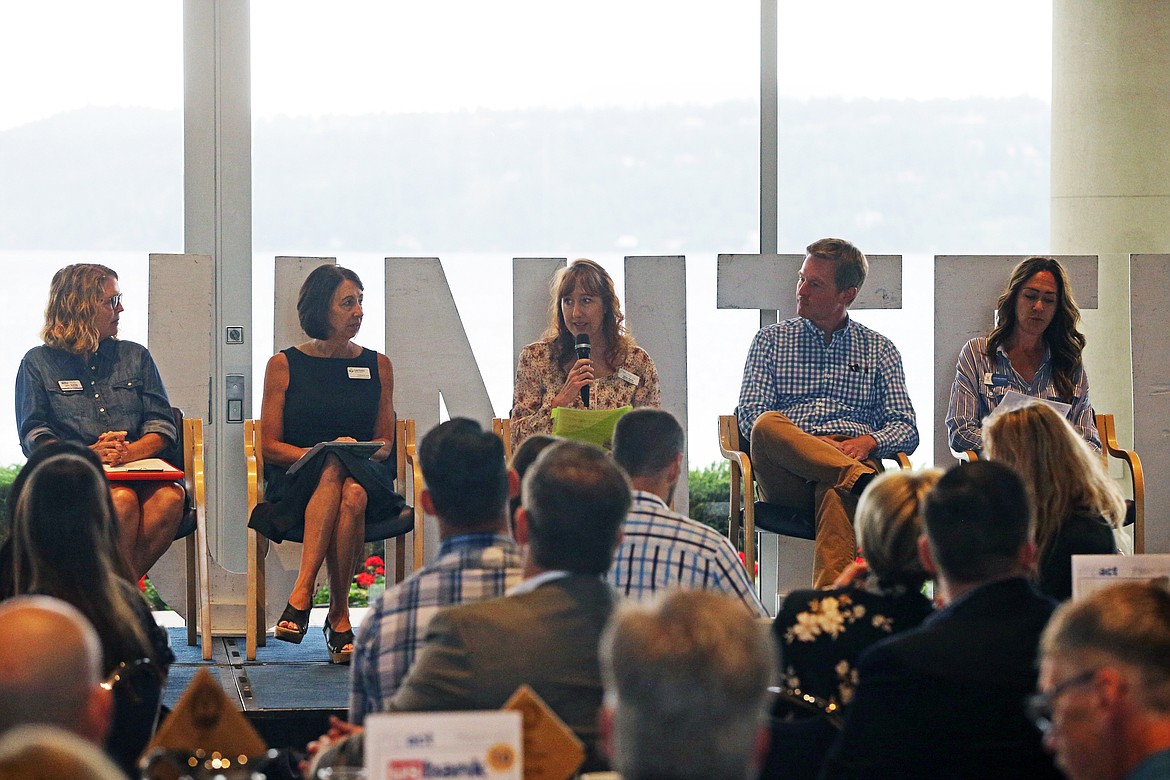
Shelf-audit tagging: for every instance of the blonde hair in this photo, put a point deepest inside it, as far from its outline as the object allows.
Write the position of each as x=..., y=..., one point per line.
x=889, y=521
x=1061, y=472
x=75, y=294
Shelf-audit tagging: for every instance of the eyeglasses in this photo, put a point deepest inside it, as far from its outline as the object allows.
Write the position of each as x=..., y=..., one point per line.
x=114, y=301
x=128, y=672
x=1039, y=706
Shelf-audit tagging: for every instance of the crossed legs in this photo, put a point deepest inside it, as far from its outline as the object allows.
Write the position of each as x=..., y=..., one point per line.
x=797, y=469
x=335, y=525
x=148, y=515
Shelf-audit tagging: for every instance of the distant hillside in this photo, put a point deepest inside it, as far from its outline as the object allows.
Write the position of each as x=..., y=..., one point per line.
x=901, y=176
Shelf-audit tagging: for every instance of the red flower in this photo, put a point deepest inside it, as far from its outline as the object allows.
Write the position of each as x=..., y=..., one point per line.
x=380, y=571
x=365, y=579
x=142, y=583
x=374, y=561
x=757, y=567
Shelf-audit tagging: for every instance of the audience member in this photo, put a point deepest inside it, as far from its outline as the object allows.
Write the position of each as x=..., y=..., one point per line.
x=64, y=543
x=522, y=459
x=328, y=389
x=821, y=633
x=823, y=398
x=1104, y=705
x=50, y=753
x=467, y=487
x=50, y=669
x=545, y=632
x=946, y=699
x=551, y=374
x=1034, y=349
x=86, y=385
x=1076, y=504
x=686, y=689
x=661, y=549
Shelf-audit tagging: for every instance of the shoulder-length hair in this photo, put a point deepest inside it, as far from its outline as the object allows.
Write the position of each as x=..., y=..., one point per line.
x=64, y=543
x=316, y=298
x=75, y=294
x=1061, y=472
x=1065, y=342
x=889, y=522
x=593, y=280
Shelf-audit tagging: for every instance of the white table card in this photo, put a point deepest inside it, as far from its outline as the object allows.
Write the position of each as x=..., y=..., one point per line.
x=416, y=746
x=1091, y=573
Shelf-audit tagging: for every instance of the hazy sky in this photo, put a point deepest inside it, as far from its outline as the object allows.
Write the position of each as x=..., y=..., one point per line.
x=315, y=57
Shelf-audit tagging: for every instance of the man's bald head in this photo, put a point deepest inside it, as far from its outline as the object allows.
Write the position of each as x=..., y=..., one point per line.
x=50, y=668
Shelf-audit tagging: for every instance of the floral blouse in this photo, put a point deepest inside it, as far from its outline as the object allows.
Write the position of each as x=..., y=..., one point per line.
x=539, y=378
x=821, y=634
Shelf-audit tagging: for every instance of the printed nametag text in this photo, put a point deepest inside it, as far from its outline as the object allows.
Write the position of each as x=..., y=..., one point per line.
x=630, y=377
x=358, y=372
x=69, y=384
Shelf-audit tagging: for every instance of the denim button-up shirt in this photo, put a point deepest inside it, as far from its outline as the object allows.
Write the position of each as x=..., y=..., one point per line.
x=80, y=397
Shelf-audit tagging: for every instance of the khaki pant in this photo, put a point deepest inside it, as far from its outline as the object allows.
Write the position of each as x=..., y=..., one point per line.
x=796, y=469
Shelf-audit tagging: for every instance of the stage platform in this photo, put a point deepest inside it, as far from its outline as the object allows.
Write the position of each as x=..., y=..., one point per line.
x=287, y=693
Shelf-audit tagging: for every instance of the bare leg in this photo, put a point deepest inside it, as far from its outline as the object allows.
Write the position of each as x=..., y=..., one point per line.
x=162, y=511
x=342, y=556
x=129, y=517
x=320, y=527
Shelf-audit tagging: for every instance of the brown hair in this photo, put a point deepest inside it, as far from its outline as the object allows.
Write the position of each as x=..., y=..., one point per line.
x=595, y=281
x=852, y=267
x=1065, y=342
x=74, y=297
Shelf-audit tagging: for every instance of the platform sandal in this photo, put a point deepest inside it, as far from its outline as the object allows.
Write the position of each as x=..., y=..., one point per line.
x=335, y=641
x=299, y=618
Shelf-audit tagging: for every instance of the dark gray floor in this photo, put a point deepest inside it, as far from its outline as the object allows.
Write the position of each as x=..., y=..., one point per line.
x=288, y=692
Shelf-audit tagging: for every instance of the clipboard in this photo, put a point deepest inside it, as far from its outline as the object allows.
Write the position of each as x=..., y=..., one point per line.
x=145, y=470
x=362, y=449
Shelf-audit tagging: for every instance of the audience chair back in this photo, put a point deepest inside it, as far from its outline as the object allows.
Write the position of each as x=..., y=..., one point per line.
x=409, y=482
x=502, y=427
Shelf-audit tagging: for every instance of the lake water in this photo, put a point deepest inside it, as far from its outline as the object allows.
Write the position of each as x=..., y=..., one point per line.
x=717, y=340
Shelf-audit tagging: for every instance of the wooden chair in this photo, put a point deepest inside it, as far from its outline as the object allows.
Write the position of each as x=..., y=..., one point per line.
x=409, y=483
x=782, y=520
x=1135, y=507
x=502, y=427
x=188, y=451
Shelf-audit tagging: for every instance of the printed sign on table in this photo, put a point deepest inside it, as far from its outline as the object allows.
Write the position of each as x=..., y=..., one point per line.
x=416, y=746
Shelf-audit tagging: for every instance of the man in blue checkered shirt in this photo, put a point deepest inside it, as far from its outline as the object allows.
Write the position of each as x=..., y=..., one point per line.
x=467, y=490
x=661, y=549
x=823, y=399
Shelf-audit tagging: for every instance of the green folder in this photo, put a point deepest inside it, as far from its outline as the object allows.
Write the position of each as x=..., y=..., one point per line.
x=594, y=426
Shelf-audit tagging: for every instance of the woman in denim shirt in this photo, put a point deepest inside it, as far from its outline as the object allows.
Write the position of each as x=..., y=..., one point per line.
x=85, y=385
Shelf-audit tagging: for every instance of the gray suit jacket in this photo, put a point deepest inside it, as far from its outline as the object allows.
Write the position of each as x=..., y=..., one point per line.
x=477, y=655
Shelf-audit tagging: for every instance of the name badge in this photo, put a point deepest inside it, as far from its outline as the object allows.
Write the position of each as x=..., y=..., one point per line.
x=68, y=385
x=987, y=378
x=358, y=372
x=630, y=377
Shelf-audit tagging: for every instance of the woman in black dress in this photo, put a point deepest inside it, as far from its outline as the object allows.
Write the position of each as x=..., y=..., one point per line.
x=328, y=389
x=1076, y=505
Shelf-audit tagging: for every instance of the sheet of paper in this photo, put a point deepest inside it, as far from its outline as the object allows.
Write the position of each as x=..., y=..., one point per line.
x=1013, y=399
x=594, y=426
x=418, y=745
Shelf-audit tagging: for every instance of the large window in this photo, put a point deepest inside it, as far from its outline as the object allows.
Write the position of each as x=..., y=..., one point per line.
x=91, y=158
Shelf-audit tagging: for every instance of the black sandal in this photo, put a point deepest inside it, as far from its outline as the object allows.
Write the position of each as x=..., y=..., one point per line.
x=335, y=641
x=299, y=618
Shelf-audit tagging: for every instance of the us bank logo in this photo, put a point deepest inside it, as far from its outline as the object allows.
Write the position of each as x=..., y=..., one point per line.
x=418, y=769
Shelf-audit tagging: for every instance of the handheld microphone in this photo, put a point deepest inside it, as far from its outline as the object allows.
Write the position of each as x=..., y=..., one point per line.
x=583, y=349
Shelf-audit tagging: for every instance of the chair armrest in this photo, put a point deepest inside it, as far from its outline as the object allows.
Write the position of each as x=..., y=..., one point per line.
x=742, y=485
x=410, y=472
x=254, y=461
x=1107, y=430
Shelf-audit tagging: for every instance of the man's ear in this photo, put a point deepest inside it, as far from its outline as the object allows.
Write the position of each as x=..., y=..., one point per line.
x=925, y=557
x=1027, y=557
x=676, y=468
x=521, y=531
x=428, y=502
x=98, y=715
x=848, y=295
x=513, y=484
